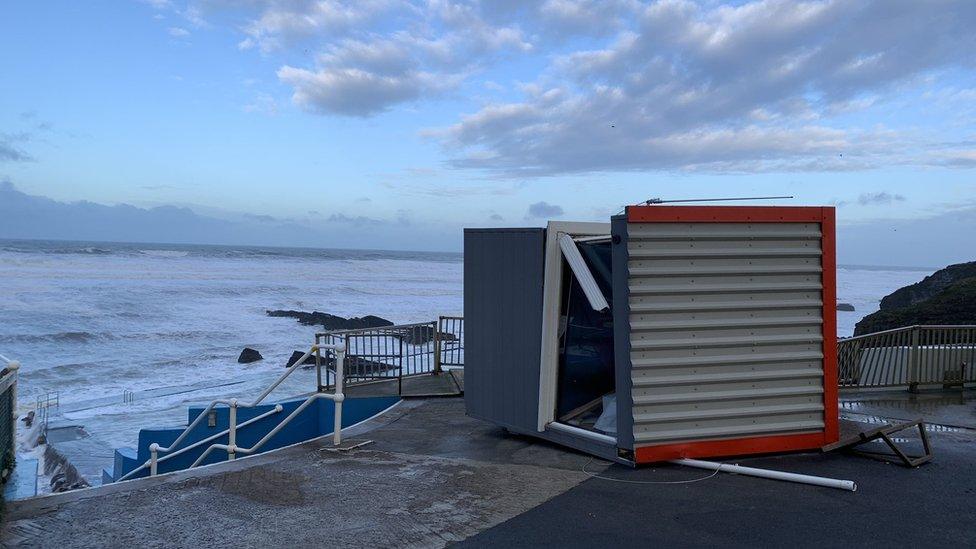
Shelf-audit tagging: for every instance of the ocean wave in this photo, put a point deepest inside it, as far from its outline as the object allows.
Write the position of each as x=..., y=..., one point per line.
x=165, y=253
x=73, y=337
x=57, y=247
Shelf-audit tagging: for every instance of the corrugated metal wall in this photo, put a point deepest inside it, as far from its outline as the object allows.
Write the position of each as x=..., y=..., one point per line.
x=503, y=278
x=725, y=330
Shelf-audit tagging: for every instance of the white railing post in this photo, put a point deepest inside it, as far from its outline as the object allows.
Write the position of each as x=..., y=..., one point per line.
x=913, y=355
x=232, y=431
x=339, y=395
x=153, y=455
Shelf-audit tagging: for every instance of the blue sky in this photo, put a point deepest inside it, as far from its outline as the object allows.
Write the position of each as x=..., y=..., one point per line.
x=395, y=123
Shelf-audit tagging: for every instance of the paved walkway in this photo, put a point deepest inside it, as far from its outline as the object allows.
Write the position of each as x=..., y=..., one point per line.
x=432, y=477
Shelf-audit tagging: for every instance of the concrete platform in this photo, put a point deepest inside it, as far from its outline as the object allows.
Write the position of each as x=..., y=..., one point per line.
x=448, y=383
x=432, y=477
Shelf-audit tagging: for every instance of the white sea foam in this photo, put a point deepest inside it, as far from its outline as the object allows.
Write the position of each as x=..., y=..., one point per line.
x=92, y=325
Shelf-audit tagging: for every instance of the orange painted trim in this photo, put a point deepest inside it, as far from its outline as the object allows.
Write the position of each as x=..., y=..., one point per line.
x=733, y=447
x=722, y=214
x=828, y=230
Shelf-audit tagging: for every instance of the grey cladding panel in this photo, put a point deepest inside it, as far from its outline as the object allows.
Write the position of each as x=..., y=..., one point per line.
x=726, y=330
x=503, y=278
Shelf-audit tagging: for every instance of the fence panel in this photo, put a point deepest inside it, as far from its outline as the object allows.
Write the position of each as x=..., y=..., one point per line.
x=451, y=336
x=397, y=351
x=910, y=356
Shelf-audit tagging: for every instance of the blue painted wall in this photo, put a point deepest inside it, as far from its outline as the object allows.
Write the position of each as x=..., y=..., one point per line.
x=314, y=421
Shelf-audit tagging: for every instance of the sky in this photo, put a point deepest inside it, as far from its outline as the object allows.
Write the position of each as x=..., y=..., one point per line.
x=393, y=124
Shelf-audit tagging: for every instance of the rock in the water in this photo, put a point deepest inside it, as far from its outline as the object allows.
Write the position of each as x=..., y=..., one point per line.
x=419, y=335
x=847, y=307
x=297, y=355
x=332, y=322
x=946, y=297
x=249, y=355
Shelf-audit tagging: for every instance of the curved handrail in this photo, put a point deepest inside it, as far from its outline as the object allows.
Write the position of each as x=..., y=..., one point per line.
x=234, y=404
x=237, y=449
x=278, y=408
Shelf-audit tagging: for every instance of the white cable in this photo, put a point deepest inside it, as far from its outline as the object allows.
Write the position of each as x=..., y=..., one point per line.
x=596, y=475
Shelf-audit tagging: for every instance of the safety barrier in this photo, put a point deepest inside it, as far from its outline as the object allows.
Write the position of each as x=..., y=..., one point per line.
x=909, y=357
x=173, y=450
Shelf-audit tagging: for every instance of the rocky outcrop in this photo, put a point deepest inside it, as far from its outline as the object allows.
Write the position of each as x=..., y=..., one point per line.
x=420, y=335
x=332, y=322
x=249, y=355
x=846, y=307
x=929, y=287
x=297, y=355
x=945, y=297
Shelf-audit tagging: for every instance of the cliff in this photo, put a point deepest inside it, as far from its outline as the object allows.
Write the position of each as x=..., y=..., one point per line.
x=947, y=296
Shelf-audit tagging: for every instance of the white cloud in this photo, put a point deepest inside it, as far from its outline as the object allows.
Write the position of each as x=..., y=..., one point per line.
x=726, y=88
x=628, y=84
x=178, y=32
x=355, y=92
x=370, y=56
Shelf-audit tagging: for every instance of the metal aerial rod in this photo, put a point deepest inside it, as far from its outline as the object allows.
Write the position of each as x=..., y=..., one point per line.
x=650, y=201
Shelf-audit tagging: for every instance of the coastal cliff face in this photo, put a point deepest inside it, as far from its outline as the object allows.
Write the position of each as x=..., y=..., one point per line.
x=947, y=296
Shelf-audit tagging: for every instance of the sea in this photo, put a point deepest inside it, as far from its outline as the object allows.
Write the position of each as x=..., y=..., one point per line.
x=125, y=336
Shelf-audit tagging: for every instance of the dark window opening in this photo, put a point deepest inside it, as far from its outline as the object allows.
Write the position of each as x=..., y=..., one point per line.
x=586, y=368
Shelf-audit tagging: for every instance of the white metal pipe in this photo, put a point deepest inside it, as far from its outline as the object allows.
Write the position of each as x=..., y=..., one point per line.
x=583, y=433
x=277, y=409
x=766, y=473
x=273, y=432
x=232, y=430
x=586, y=281
x=340, y=396
x=257, y=401
x=231, y=448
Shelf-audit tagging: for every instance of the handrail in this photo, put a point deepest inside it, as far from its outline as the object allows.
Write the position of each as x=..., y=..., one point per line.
x=913, y=326
x=352, y=330
x=234, y=402
x=231, y=449
x=337, y=396
x=278, y=408
x=909, y=356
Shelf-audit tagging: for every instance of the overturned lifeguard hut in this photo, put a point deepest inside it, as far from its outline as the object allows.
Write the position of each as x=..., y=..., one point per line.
x=670, y=332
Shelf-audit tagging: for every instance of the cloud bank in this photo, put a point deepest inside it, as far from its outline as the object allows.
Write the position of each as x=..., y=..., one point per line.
x=24, y=216
x=628, y=85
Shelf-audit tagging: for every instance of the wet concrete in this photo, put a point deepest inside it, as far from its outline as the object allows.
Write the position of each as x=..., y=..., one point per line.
x=431, y=476
x=953, y=408
x=420, y=482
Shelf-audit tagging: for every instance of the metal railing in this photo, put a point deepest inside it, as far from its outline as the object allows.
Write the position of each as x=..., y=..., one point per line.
x=909, y=357
x=450, y=330
x=395, y=352
x=42, y=409
x=8, y=415
x=233, y=404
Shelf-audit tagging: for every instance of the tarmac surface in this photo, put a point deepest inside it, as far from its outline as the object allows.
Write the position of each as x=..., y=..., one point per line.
x=432, y=477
